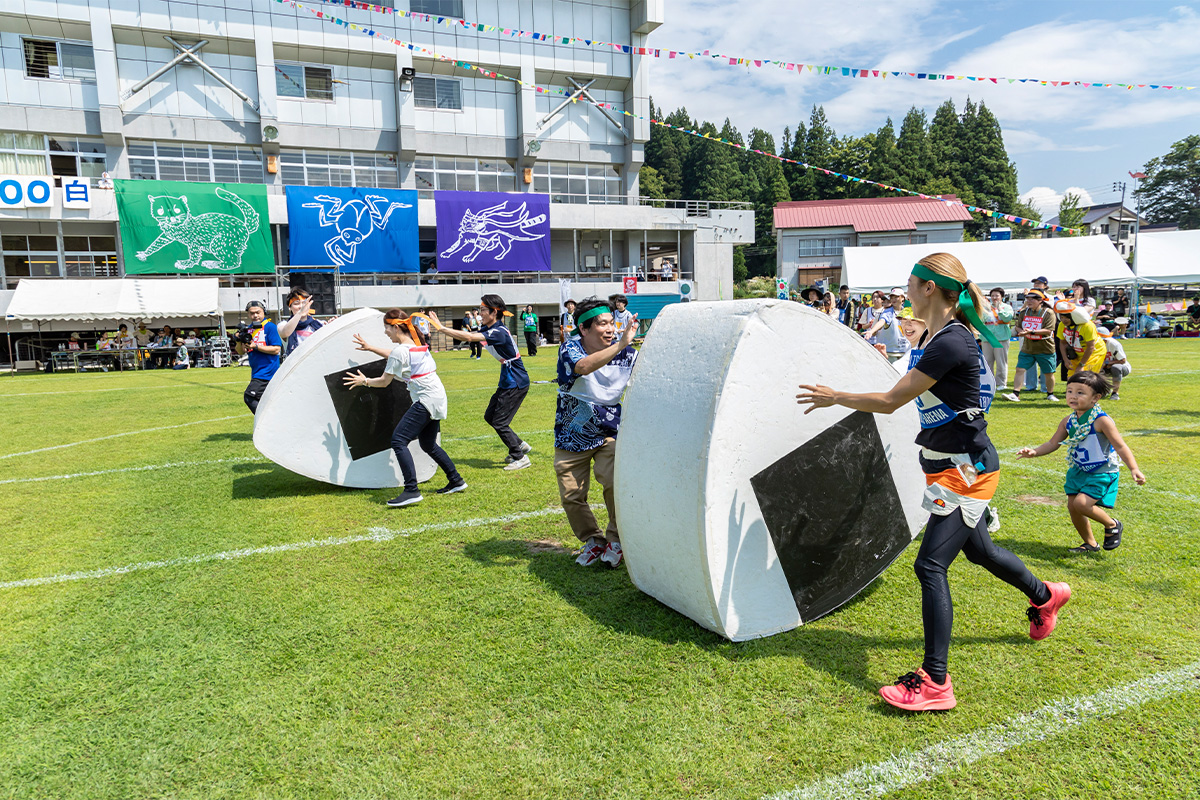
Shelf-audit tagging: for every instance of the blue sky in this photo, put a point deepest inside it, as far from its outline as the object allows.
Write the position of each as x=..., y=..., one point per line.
x=1061, y=139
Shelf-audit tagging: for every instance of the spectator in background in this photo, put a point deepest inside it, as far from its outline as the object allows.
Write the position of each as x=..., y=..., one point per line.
x=619, y=304
x=73, y=342
x=182, y=359
x=829, y=305
x=125, y=341
x=1116, y=366
x=142, y=335
x=1035, y=329
x=998, y=317
x=1120, y=312
x=1078, y=341
x=475, y=326
x=466, y=326
x=847, y=309
x=1081, y=295
x=811, y=297
x=302, y=323
x=1104, y=314
x=668, y=271
x=1193, y=314
x=871, y=313
x=886, y=329
x=529, y=322
x=566, y=322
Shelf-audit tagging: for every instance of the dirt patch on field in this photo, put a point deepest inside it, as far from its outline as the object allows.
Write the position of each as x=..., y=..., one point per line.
x=546, y=546
x=1037, y=500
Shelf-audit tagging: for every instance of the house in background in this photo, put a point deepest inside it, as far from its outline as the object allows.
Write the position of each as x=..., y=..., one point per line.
x=1112, y=220
x=812, y=234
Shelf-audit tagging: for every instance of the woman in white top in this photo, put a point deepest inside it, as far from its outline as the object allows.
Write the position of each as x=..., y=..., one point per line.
x=871, y=313
x=410, y=360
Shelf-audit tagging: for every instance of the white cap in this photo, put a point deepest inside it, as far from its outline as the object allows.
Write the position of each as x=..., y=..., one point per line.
x=898, y=291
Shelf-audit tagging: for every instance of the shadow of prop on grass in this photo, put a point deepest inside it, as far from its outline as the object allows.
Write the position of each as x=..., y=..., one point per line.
x=608, y=598
x=229, y=437
x=269, y=481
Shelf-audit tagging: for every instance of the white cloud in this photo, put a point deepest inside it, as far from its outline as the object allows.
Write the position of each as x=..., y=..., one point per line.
x=1017, y=140
x=1046, y=200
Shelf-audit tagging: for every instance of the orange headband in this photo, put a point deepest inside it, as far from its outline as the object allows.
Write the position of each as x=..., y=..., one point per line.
x=412, y=332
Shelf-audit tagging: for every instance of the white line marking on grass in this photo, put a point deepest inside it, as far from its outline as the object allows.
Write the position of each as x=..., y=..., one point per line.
x=123, y=389
x=372, y=535
x=1024, y=464
x=146, y=468
x=1054, y=719
x=119, y=435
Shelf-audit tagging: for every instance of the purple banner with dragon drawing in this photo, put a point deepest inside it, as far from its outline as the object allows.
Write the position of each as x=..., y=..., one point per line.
x=492, y=231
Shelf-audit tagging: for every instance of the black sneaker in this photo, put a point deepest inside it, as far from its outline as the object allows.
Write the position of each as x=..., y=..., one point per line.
x=1112, y=536
x=406, y=499
x=451, y=488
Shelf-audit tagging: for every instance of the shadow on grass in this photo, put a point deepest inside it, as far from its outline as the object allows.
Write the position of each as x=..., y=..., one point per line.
x=269, y=481
x=608, y=598
x=1163, y=432
x=1094, y=565
x=229, y=437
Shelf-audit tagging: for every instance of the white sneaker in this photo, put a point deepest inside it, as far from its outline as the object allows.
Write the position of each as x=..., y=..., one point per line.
x=1016, y=398
x=520, y=463
x=525, y=448
x=1116, y=396
x=1052, y=398
x=612, y=554
x=591, y=553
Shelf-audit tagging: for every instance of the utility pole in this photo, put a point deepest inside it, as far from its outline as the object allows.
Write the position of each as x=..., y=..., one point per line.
x=1137, y=223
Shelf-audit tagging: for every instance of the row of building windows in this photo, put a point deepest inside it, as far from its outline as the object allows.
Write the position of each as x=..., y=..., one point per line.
x=333, y=168
x=38, y=257
x=39, y=154
x=209, y=163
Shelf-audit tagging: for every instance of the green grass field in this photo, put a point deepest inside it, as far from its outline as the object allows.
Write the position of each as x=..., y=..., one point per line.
x=469, y=657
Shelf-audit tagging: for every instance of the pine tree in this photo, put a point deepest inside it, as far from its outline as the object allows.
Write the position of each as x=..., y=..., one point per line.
x=662, y=153
x=650, y=183
x=946, y=140
x=884, y=159
x=715, y=171
x=820, y=142
x=765, y=187
x=991, y=176
x=913, y=159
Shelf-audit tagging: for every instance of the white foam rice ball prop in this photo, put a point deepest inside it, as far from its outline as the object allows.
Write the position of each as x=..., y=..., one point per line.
x=735, y=508
x=311, y=424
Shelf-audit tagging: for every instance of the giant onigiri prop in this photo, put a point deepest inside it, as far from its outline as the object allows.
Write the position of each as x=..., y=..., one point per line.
x=310, y=423
x=735, y=508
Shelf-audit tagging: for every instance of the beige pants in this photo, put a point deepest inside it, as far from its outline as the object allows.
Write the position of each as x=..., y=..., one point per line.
x=574, y=476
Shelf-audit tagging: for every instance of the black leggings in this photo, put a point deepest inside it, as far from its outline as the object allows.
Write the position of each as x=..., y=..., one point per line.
x=417, y=424
x=944, y=538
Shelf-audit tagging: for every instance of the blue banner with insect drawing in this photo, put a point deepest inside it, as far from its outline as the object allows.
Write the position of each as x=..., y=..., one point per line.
x=352, y=229
x=492, y=231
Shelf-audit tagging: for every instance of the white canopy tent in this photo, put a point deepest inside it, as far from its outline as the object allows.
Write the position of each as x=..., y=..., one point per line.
x=1011, y=264
x=102, y=300
x=1169, y=257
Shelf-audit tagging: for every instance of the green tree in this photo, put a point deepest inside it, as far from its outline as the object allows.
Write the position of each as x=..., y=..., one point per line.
x=947, y=146
x=820, y=142
x=740, y=272
x=991, y=176
x=663, y=153
x=650, y=183
x=1070, y=215
x=883, y=158
x=1171, y=189
x=913, y=158
x=716, y=170
x=766, y=186
x=852, y=156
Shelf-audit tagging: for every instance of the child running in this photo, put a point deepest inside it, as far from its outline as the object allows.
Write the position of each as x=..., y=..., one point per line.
x=410, y=361
x=1093, y=444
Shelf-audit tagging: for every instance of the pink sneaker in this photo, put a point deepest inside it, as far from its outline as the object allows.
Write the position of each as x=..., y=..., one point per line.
x=916, y=692
x=1043, y=618
x=591, y=552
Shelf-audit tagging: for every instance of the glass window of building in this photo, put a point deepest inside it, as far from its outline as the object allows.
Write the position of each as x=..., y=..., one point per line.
x=831, y=246
x=463, y=175
x=338, y=168
x=29, y=257
x=441, y=93
x=90, y=257
x=298, y=80
x=59, y=61
x=440, y=8
x=595, y=184
x=166, y=161
x=36, y=154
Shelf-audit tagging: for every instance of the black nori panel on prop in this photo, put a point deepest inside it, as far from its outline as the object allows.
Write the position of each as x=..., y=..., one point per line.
x=834, y=514
x=368, y=416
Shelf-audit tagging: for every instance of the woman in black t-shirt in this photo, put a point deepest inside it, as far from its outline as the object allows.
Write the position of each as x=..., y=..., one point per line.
x=953, y=389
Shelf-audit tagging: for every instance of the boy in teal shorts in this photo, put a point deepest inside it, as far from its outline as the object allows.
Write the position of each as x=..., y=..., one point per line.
x=1093, y=444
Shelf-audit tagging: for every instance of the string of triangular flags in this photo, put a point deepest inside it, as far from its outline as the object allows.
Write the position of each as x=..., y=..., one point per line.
x=416, y=48
x=799, y=69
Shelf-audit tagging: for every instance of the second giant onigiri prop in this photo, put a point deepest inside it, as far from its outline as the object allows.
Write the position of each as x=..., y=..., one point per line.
x=310, y=423
x=735, y=508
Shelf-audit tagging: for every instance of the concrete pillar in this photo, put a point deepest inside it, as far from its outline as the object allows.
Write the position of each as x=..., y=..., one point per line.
x=268, y=98
x=527, y=120
x=108, y=91
x=406, y=121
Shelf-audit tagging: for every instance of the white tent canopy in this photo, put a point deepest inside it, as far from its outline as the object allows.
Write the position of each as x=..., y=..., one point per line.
x=1009, y=264
x=128, y=298
x=1169, y=257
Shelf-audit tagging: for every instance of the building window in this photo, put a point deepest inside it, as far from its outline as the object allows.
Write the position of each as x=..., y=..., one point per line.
x=59, y=61
x=918, y=238
x=831, y=246
x=29, y=257
x=90, y=257
x=338, y=168
x=439, y=8
x=172, y=162
x=595, y=184
x=310, y=83
x=441, y=93
x=35, y=154
x=463, y=175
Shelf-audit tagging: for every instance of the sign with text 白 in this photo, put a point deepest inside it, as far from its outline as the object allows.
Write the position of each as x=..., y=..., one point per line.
x=199, y=228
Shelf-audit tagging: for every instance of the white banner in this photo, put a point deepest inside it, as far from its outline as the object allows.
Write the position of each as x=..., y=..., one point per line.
x=564, y=293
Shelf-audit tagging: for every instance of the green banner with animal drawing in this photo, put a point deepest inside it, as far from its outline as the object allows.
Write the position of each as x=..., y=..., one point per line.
x=173, y=227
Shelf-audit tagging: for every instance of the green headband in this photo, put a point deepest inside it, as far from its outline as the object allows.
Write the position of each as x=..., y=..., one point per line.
x=966, y=303
x=592, y=312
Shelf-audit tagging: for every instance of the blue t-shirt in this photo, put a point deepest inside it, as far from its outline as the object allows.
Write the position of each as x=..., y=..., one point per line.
x=500, y=343
x=263, y=366
x=589, y=406
x=304, y=329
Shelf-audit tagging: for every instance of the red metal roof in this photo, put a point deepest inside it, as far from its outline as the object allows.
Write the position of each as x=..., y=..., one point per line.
x=869, y=215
